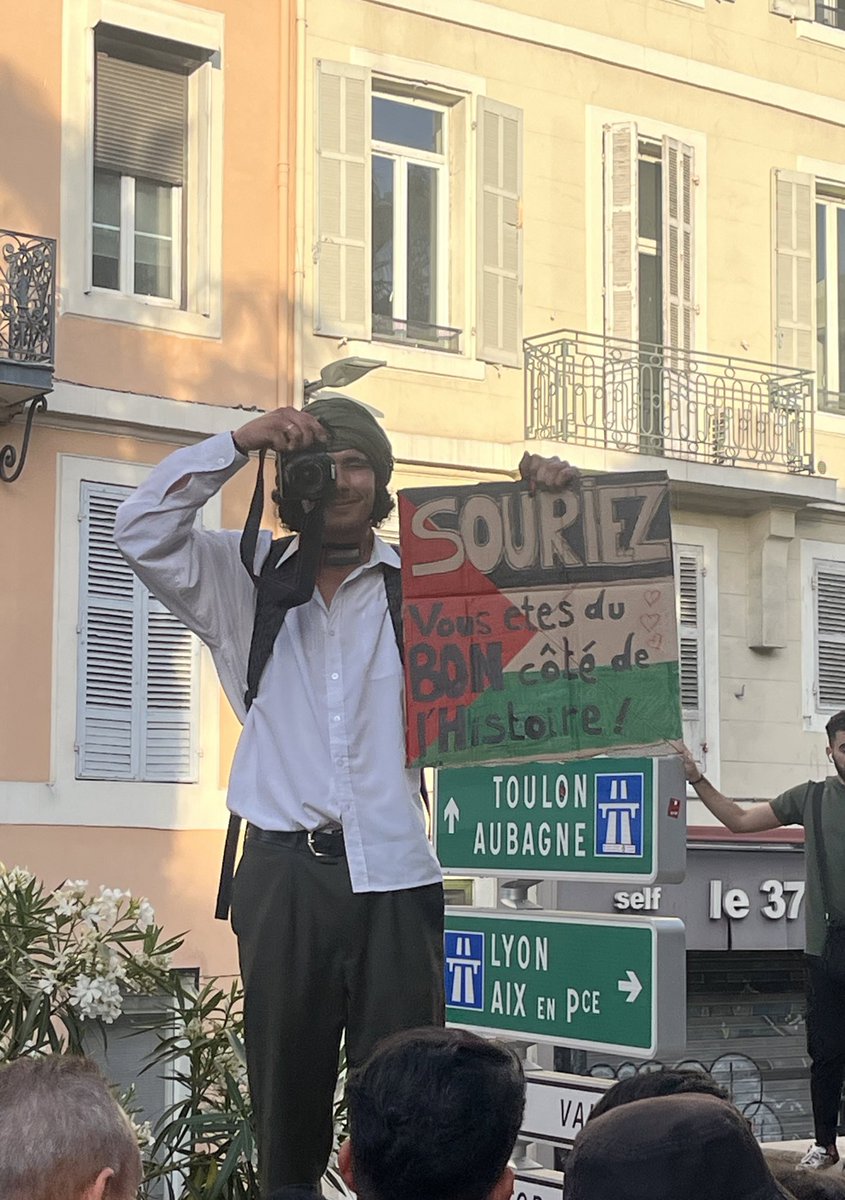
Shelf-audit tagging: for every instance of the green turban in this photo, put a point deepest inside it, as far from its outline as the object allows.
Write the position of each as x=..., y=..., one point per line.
x=351, y=426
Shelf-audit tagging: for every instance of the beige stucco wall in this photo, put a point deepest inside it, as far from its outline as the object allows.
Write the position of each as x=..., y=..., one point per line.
x=249, y=364
x=176, y=870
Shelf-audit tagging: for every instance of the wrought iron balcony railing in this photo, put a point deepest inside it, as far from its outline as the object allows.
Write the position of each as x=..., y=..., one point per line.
x=592, y=390
x=27, y=298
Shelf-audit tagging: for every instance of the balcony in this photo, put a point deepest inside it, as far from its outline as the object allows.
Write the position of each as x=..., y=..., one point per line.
x=27, y=319
x=590, y=390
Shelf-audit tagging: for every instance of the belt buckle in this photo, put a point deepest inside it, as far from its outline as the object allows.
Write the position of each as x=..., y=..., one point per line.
x=314, y=833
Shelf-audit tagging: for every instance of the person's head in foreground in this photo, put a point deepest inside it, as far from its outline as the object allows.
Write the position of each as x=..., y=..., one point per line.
x=669, y=1148
x=835, y=730
x=666, y=1082
x=433, y=1115
x=63, y=1136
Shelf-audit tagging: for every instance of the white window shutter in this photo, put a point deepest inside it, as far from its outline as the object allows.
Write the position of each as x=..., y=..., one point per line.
x=343, y=275
x=678, y=290
x=138, y=666
x=169, y=664
x=803, y=10
x=829, y=587
x=794, y=269
x=621, y=217
x=499, y=233
x=106, y=740
x=689, y=595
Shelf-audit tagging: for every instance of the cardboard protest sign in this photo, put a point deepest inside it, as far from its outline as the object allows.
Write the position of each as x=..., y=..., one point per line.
x=539, y=626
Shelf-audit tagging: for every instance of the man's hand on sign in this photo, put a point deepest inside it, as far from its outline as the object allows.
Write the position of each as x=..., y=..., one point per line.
x=549, y=474
x=692, y=771
x=285, y=430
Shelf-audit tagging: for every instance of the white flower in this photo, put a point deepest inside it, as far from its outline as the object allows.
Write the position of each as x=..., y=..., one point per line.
x=68, y=897
x=103, y=911
x=48, y=982
x=143, y=1132
x=96, y=997
x=146, y=914
x=17, y=877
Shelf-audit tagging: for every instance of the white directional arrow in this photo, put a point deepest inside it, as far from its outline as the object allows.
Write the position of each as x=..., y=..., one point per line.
x=452, y=814
x=631, y=985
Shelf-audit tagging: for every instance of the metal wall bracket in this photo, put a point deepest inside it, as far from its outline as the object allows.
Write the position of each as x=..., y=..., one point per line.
x=9, y=472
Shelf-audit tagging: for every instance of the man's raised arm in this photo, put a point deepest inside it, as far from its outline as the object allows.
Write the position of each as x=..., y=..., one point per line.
x=754, y=819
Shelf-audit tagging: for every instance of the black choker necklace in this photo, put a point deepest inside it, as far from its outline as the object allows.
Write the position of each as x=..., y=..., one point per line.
x=342, y=554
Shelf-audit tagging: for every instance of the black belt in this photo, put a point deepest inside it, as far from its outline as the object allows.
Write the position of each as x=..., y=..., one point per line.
x=323, y=843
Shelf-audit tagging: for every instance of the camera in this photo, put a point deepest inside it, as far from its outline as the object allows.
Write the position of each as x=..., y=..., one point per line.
x=306, y=476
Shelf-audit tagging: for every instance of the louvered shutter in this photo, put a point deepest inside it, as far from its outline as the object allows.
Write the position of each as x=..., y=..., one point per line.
x=167, y=717
x=106, y=711
x=141, y=120
x=136, y=712
x=499, y=233
x=343, y=275
x=829, y=587
x=689, y=593
x=621, y=216
x=799, y=9
x=678, y=298
x=794, y=269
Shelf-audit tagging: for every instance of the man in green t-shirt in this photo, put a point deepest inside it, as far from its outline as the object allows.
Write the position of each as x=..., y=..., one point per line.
x=825, y=996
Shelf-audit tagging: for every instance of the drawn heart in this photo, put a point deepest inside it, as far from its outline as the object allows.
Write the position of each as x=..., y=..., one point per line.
x=651, y=597
x=650, y=620
x=656, y=641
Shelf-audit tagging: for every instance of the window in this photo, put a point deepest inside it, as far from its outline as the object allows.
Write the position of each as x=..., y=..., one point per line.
x=137, y=665
x=689, y=601
x=140, y=164
x=809, y=281
x=831, y=12
x=410, y=208
x=142, y=193
x=648, y=252
x=829, y=628
x=830, y=298
x=392, y=216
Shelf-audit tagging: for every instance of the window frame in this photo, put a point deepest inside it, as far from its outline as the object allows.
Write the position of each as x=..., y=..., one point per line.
x=834, y=354
x=814, y=554
x=63, y=799
x=707, y=541
x=403, y=157
x=127, y=260
x=596, y=119
x=200, y=281
x=466, y=88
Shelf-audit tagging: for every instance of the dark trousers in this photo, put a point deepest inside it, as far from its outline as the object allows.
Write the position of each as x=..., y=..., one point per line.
x=317, y=959
x=826, y=1047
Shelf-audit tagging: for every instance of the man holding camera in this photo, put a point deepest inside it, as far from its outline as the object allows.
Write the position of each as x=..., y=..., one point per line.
x=337, y=901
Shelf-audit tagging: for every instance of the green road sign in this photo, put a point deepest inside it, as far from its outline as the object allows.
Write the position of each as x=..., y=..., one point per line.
x=599, y=818
x=616, y=985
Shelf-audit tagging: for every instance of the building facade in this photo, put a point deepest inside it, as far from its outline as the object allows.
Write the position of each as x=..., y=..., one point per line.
x=615, y=232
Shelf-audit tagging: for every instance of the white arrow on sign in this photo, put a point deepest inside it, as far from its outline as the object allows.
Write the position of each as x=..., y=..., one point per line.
x=452, y=814
x=631, y=985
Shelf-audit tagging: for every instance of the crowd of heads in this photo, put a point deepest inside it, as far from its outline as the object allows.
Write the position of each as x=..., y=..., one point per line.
x=63, y=1136
x=433, y=1115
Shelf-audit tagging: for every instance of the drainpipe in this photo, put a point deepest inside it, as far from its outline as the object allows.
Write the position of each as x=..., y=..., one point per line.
x=299, y=213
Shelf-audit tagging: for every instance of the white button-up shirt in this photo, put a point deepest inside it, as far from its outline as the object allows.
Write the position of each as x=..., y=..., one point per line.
x=324, y=740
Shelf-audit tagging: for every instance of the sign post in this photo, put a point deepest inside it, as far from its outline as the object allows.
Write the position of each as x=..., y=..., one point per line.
x=557, y=1106
x=596, y=983
x=599, y=819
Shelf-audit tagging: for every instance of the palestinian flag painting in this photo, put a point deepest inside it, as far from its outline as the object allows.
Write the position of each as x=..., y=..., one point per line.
x=539, y=627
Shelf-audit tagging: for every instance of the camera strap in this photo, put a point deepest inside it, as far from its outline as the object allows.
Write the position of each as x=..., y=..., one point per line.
x=298, y=588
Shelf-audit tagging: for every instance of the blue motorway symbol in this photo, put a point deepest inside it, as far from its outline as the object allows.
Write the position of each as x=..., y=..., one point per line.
x=464, y=953
x=619, y=816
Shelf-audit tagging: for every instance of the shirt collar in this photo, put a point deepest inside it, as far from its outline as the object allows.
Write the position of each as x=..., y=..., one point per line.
x=382, y=553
